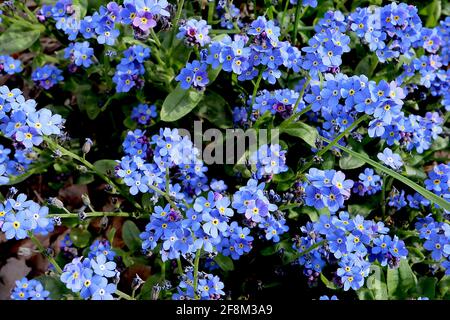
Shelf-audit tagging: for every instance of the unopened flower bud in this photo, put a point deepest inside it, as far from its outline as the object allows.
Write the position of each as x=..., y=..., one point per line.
x=85, y=199
x=137, y=282
x=81, y=214
x=11, y=192
x=56, y=202
x=87, y=146
x=104, y=222
x=57, y=221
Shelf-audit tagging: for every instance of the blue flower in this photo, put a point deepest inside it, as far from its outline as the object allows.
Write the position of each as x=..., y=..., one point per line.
x=72, y=275
x=391, y=159
x=102, y=290
x=213, y=224
x=16, y=225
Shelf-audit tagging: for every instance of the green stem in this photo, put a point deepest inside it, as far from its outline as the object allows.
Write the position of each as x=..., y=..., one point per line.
x=284, y=13
x=296, y=115
x=92, y=215
x=256, y=87
x=155, y=37
x=177, y=19
x=196, y=263
x=180, y=266
x=55, y=147
x=297, y=19
x=233, y=31
x=165, y=195
x=211, y=7
x=42, y=250
x=335, y=141
x=234, y=21
x=167, y=181
x=314, y=246
x=123, y=295
x=397, y=176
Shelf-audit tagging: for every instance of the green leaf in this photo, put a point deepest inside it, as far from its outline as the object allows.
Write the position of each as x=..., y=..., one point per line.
x=87, y=101
x=85, y=178
x=376, y=283
x=130, y=123
x=80, y=7
x=111, y=234
x=424, y=192
x=147, y=288
x=301, y=130
x=215, y=109
x=367, y=65
x=444, y=286
x=146, y=201
x=365, y=294
x=348, y=162
x=434, y=10
x=130, y=235
x=105, y=166
x=412, y=172
x=415, y=255
x=327, y=283
x=427, y=287
x=400, y=280
x=80, y=237
x=19, y=37
x=311, y=212
x=225, y=263
x=360, y=209
x=179, y=103
x=55, y=286
x=271, y=250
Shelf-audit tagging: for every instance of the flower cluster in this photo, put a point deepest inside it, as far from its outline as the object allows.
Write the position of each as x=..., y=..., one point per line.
x=195, y=33
x=437, y=240
x=9, y=65
x=326, y=47
x=166, y=151
x=29, y=290
x=80, y=54
x=64, y=15
x=327, y=188
x=101, y=247
x=21, y=122
x=131, y=68
x=193, y=75
x=432, y=68
x=258, y=52
x=438, y=181
x=369, y=183
x=352, y=244
x=206, y=227
x=26, y=127
x=229, y=15
x=268, y=160
x=389, y=31
x=93, y=278
x=47, y=76
x=281, y=102
x=311, y=3
x=143, y=113
x=251, y=201
x=209, y=287
x=19, y=216
x=103, y=25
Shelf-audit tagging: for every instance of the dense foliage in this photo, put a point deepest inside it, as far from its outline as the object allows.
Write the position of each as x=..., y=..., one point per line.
x=347, y=198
